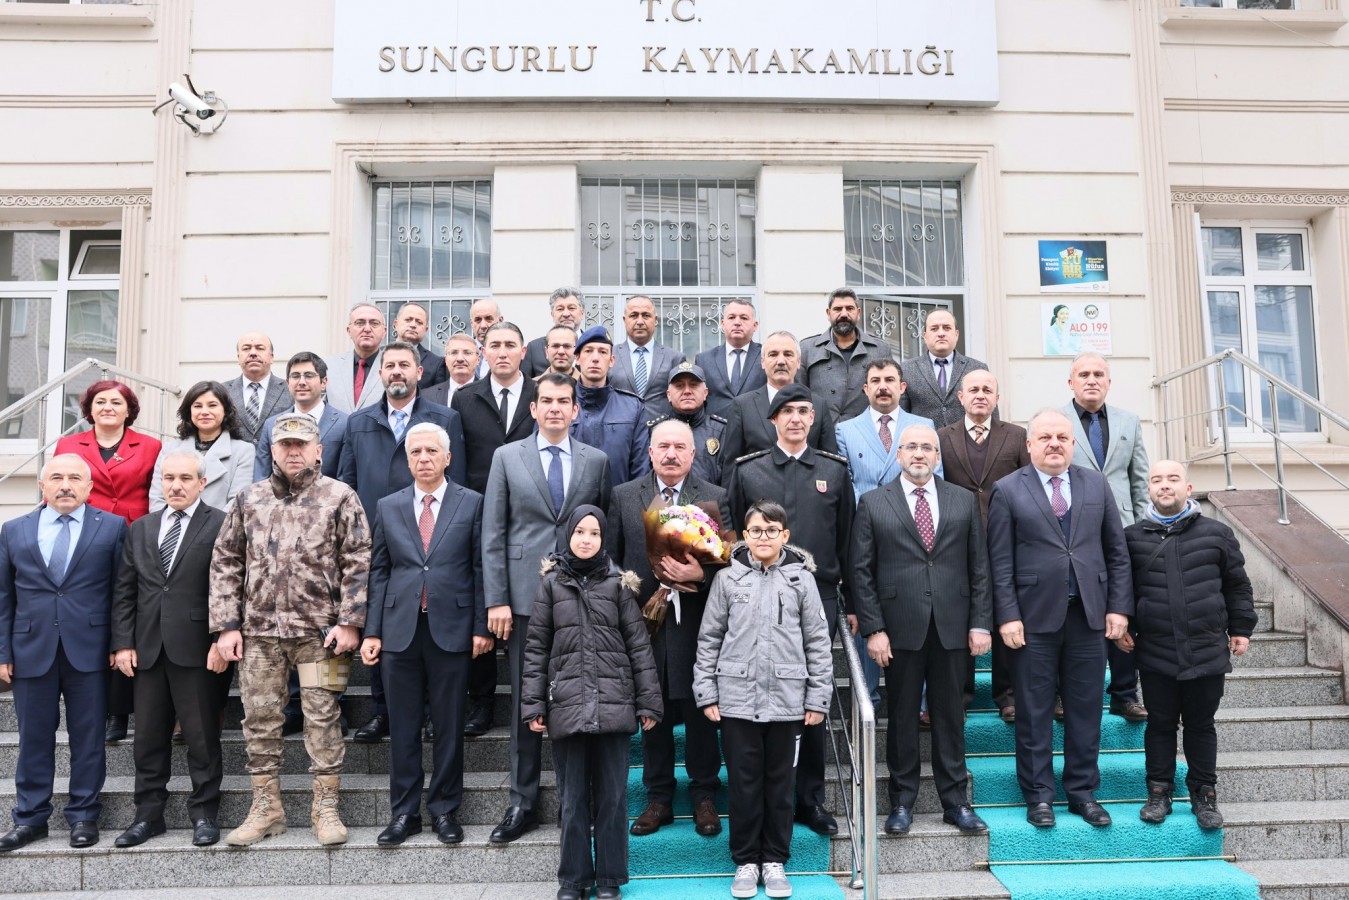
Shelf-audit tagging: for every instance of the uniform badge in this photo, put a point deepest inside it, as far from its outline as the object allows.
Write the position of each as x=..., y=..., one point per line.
x=822, y=486
x=713, y=445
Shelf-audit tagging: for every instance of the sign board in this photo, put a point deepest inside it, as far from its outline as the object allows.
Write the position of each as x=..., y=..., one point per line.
x=886, y=51
x=1071, y=267
x=1073, y=328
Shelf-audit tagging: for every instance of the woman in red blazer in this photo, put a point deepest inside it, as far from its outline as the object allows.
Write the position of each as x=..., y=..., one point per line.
x=122, y=460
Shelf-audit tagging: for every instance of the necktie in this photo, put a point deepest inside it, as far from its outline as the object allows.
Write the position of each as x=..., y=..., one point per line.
x=426, y=523
x=400, y=425
x=887, y=439
x=1096, y=438
x=253, y=408
x=359, y=384
x=60, y=550
x=737, y=371
x=505, y=409
x=1056, y=500
x=922, y=517
x=669, y=495
x=555, y=479
x=941, y=373
x=170, y=544
x=639, y=371
x=980, y=432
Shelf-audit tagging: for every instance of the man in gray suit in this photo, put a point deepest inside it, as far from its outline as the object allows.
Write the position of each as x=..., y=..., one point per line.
x=640, y=364
x=834, y=362
x=532, y=488
x=933, y=378
x=306, y=379
x=1110, y=441
x=922, y=534
x=733, y=367
x=257, y=393
x=353, y=377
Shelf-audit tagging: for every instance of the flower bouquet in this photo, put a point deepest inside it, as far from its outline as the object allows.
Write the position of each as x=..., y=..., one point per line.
x=691, y=533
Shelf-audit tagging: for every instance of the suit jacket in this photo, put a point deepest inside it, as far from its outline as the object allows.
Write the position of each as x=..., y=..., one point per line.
x=720, y=391
x=433, y=369
x=923, y=396
x=1005, y=454
x=442, y=393
x=536, y=357
x=749, y=431
x=1029, y=557
x=332, y=435
x=229, y=469
x=154, y=612
x=898, y=586
x=825, y=371
x=33, y=606
x=663, y=360
x=341, y=382
x=450, y=572
x=481, y=417
x=275, y=399
x=374, y=465
x=121, y=485
x=869, y=465
x=519, y=525
x=1126, y=459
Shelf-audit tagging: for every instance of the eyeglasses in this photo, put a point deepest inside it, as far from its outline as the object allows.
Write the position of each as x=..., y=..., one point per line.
x=770, y=533
x=914, y=448
x=304, y=376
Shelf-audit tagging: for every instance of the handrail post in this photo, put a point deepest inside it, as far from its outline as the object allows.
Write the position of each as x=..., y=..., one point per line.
x=1222, y=424
x=1278, y=455
x=41, y=441
x=863, y=824
x=1166, y=420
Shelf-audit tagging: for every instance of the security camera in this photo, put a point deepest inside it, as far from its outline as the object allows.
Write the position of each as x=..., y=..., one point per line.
x=189, y=104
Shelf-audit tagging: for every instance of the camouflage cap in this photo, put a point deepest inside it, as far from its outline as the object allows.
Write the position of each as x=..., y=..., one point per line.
x=295, y=427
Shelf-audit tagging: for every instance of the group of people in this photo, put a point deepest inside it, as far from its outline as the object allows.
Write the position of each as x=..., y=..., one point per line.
x=422, y=510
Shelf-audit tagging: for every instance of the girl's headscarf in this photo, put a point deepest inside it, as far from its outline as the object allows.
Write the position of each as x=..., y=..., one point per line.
x=570, y=562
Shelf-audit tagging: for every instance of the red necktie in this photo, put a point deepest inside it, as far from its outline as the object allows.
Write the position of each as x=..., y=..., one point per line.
x=922, y=517
x=360, y=380
x=426, y=524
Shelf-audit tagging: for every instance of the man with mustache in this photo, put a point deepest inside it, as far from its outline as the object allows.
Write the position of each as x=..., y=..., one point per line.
x=687, y=395
x=747, y=427
x=353, y=380
x=257, y=393
x=833, y=363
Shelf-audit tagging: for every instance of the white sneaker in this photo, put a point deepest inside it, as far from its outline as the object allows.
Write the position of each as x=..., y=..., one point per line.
x=775, y=883
x=746, y=882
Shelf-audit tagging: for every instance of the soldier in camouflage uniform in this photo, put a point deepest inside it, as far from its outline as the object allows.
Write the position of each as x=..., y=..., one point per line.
x=288, y=582
x=687, y=394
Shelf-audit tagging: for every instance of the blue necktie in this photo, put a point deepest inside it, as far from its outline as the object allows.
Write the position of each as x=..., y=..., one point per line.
x=1096, y=439
x=555, y=479
x=400, y=424
x=639, y=372
x=60, y=550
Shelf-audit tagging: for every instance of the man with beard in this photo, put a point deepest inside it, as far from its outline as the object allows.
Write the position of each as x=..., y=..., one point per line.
x=568, y=309
x=608, y=418
x=687, y=394
x=747, y=427
x=410, y=327
x=834, y=363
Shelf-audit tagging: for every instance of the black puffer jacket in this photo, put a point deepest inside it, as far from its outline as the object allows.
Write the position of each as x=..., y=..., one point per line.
x=588, y=663
x=1192, y=594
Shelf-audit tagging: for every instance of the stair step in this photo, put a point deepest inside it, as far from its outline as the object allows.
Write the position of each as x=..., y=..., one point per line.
x=1284, y=775
x=931, y=846
x=941, y=886
x=1284, y=830
x=1298, y=879
x=518, y=890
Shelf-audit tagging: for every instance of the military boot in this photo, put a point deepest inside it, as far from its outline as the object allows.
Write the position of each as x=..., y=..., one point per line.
x=1204, y=805
x=265, y=817
x=328, y=827
x=1158, y=806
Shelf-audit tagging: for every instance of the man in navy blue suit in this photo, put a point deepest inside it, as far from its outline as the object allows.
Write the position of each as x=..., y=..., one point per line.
x=58, y=566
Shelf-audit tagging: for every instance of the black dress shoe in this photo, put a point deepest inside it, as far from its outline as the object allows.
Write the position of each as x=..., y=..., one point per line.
x=1058, y=709
x=1041, y=815
x=899, y=820
x=570, y=894
x=138, y=833
x=515, y=824
x=84, y=834
x=1008, y=713
x=964, y=818
x=428, y=733
x=479, y=720
x=115, y=729
x=177, y=736
x=292, y=725
x=1092, y=813
x=22, y=836
x=448, y=829
x=372, y=732
x=607, y=892
x=205, y=832
x=399, y=830
x=817, y=819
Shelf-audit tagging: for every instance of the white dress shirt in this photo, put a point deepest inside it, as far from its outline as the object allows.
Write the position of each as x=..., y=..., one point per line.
x=418, y=494
x=514, y=398
x=316, y=413
x=930, y=493
x=1065, y=487
x=546, y=458
x=167, y=522
x=730, y=361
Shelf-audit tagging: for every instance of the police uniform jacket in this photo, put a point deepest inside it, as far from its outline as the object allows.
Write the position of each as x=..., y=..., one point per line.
x=613, y=420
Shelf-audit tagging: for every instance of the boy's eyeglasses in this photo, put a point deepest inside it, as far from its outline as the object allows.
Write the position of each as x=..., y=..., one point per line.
x=769, y=533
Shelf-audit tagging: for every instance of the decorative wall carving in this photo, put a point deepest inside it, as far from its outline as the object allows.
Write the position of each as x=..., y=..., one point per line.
x=73, y=200
x=1264, y=198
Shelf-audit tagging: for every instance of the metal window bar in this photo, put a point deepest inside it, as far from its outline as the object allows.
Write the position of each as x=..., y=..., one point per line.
x=859, y=732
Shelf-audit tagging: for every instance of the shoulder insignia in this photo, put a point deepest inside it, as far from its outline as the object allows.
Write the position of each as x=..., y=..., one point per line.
x=754, y=455
x=834, y=456
x=716, y=418
x=656, y=421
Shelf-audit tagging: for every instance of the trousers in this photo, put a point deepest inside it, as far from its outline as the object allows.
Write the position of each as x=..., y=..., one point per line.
x=263, y=673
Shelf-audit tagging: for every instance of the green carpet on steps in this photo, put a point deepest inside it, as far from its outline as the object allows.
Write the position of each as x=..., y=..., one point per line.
x=1012, y=839
x=804, y=887
x=994, y=779
x=990, y=734
x=1190, y=880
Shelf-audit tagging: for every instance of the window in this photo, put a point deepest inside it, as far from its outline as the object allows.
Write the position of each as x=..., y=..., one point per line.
x=687, y=243
x=59, y=292
x=432, y=244
x=1241, y=4
x=904, y=255
x=1257, y=284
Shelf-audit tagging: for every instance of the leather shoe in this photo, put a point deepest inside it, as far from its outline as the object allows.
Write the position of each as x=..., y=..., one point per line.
x=428, y=733
x=1008, y=713
x=1092, y=813
x=925, y=720
x=515, y=824
x=448, y=830
x=1058, y=709
x=398, y=830
x=817, y=819
x=607, y=892
x=114, y=729
x=479, y=720
x=1131, y=710
x=84, y=834
x=139, y=833
x=964, y=818
x=177, y=736
x=567, y=893
x=705, y=818
x=22, y=836
x=205, y=832
x=293, y=725
x=372, y=732
x=1041, y=815
x=652, y=818
x=899, y=820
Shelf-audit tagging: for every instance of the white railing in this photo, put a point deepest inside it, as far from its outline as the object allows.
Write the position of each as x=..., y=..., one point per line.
x=859, y=726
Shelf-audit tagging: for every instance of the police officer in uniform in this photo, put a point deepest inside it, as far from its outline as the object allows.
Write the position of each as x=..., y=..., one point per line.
x=814, y=487
x=687, y=395
x=608, y=417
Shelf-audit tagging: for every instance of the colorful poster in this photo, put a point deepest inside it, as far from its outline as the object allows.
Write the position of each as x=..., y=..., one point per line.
x=1073, y=328
x=1073, y=266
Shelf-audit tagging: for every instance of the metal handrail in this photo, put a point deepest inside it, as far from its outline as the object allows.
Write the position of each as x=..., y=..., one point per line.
x=860, y=742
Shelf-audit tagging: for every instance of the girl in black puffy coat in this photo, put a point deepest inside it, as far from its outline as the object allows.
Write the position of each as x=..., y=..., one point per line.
x=589, y=677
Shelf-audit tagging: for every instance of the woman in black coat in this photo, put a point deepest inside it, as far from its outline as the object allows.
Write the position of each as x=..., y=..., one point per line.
x=589, y=676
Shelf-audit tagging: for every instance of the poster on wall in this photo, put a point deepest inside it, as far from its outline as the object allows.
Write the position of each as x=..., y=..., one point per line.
x=1073, y=328
x=1070, y=267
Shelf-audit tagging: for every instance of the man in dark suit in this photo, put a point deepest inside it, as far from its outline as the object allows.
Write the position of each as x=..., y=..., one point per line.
x=374, y=465
x=748, y=429
x=1061, y=582
x=567, y=307
x=461, y=362
x=306, y=379
x=934, y=376
x=257, y=393
x=733, y=367
x=921, y=591
x=977, y=451
x=410, y=327
x=426, y=619
x=495, y=411
x=163, y=645
x=675, y=644
x=641, y=365
x=533, y=488
x=58, y=564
